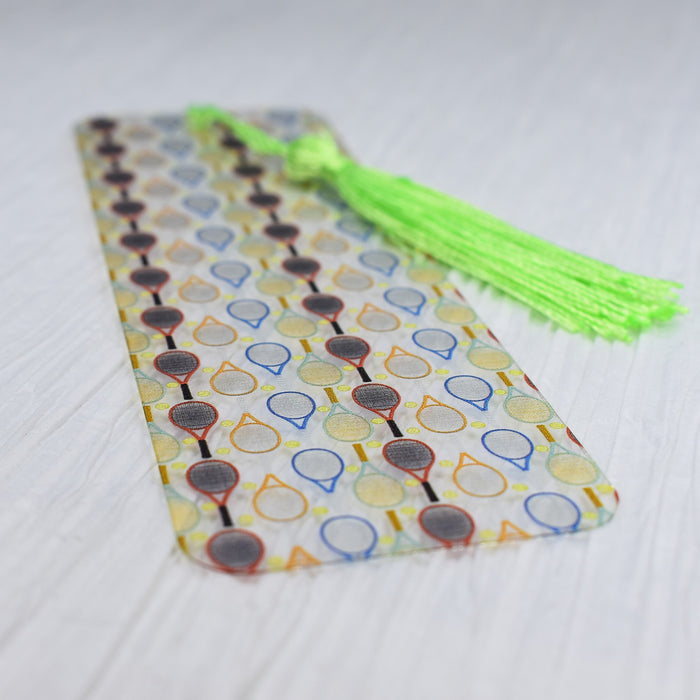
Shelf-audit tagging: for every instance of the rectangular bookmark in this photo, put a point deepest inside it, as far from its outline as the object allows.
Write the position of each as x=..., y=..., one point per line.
x=313, y=393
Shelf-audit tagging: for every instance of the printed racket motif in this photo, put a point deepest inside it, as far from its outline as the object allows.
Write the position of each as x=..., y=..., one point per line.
x=313, y=394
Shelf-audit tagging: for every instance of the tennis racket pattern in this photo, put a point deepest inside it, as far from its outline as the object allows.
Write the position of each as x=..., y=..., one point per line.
x=312, y=393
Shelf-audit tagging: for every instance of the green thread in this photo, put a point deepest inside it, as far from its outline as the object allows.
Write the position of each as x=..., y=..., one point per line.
x=577, y=292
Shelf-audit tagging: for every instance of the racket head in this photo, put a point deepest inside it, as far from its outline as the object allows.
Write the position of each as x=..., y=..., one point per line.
x=527, y=408
x=320, y=466
x=292, y=325
x=378, y=398
x=214, y=478
x=406, y=365
x=217, y=237
x=232, y=271
x=447, y=523
x=572, y=437
x=194, y=417
x=406, y=298
x=305, y=268
x=235, y=551
x=278, y=501
x=350, y=348
x=113, y=151
x=164, y=319
x=555, y=511
x=253, y=436
x=128, y=209
x=346, y=426
x=510, y=445
x=411, y=456
x=471, y=389
x=283, y=233
x=250, y=311
x=139, y=242
x=530, y=383
x=152, y=279
x=103, y=124
x=436, y=340
x=214, y=333
x=349, y=536
x=250, y=171
x=230, y=380
x=380, y=260
x=272, y=356
x=439, y=417
x=477, y=479
x=317, y=372
x=327, y=306
x=180, y=365
x=265, y=200
x=118, y=178
x=293, y=406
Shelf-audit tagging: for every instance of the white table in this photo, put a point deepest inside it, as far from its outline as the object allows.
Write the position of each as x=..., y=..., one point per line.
x=574, y=120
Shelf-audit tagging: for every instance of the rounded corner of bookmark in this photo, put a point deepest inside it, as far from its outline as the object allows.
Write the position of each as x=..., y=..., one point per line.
x=313, y=393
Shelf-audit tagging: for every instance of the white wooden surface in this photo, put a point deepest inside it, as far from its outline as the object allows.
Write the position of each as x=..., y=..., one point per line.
x=578, y=121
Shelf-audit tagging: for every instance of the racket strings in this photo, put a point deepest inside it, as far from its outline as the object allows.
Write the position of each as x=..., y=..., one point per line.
x=447, y=523
x=150, y=277
x=176, y=363
x=162, y=317
x=376, y=397
x=213, y=476
x=348, y=347
x=193, y=415
x=409, y=454
x=293, y=404
x=323, y=304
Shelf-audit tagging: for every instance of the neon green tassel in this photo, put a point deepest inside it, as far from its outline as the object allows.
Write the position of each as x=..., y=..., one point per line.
x=577, y=292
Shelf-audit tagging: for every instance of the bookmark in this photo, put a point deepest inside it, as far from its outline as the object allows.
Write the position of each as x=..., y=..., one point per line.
x=314, y=393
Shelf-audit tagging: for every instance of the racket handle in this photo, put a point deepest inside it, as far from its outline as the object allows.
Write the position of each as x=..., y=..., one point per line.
x=225, y=516
x=204, y=449
x=170, y=342
x=186, y=393
x=144, y=260
x=394, y=428
x=429, y=492
x=363, y=374
x=312, y=285
x=292, y=249
x=337, y=328
x=156, y=299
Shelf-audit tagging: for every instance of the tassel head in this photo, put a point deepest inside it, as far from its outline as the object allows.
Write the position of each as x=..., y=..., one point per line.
x=315, y=157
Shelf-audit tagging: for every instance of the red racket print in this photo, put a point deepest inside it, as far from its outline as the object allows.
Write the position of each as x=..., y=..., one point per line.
x=304, y=268
x=164, y=319
x=447, y=524
x=153, y=279
x=215, y=479
x=413, y=457
x=351, y=349
x=327, y=306
x=380, y=399
x=195, y=418
x=180, y=366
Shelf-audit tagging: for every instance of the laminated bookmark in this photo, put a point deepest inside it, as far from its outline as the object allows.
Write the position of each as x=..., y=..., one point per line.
x=314, y=392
